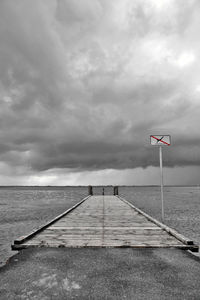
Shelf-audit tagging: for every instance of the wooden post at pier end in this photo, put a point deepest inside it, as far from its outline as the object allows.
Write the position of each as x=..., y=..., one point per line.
x=90, y=190
x=115, y=191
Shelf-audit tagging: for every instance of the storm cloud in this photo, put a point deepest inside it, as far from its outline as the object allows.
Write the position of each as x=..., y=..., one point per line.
x=84, y=83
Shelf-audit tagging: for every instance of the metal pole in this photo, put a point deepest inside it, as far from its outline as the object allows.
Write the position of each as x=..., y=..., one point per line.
x=161, y=182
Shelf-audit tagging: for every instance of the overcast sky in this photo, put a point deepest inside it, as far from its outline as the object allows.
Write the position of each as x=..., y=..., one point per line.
x=83, y=84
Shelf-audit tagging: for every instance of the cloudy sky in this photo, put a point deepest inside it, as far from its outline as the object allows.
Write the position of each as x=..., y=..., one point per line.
x=83, y=84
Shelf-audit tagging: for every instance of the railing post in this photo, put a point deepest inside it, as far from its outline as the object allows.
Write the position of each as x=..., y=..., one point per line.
x=90, y=190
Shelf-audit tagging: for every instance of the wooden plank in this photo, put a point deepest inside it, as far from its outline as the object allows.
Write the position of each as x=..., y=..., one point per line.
x=171, y=231
x=103, y=221
x=24, y=238
x=105, y=227
x=192, y=248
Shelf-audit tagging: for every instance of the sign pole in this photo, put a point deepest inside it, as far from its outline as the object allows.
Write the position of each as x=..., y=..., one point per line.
x=161, y=181
x=161, y=140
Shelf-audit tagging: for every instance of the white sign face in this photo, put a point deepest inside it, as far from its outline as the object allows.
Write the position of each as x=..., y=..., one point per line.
x=160, y=140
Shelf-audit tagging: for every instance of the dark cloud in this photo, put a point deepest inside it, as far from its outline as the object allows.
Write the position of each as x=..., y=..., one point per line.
x=83, y=85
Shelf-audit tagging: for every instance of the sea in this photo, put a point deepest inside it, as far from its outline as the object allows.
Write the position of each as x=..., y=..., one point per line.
x=24, y=209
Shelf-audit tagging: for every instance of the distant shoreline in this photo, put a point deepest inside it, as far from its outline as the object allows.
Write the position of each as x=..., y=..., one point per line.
x=74, y=186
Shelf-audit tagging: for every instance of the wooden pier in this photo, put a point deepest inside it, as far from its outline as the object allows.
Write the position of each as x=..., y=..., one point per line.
x=104, y=221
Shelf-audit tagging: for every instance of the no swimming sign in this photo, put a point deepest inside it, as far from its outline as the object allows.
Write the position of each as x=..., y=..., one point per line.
x=160, y=140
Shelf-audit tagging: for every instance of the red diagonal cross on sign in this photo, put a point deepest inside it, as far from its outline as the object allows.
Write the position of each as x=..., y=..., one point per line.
x=160, y=140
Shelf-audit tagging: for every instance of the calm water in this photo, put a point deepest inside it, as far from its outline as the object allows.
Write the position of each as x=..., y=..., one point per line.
x=182, y=206
x=23, y=209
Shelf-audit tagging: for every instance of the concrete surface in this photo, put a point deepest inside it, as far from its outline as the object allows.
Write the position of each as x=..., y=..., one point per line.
x=101, y=273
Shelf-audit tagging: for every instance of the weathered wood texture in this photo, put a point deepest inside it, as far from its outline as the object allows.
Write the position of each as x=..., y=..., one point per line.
x=36, y=231
x=163, y=226
x=103, y=221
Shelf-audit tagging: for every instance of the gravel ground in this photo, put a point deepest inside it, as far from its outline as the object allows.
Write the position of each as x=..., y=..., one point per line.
x=110, y=274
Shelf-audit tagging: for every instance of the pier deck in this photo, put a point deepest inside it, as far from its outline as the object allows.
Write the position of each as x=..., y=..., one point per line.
x=104, y=221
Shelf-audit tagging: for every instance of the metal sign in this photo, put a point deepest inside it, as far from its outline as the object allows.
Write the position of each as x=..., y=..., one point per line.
x=160, y=140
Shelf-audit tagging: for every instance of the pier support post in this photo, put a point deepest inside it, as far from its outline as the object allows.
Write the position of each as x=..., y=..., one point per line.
x=115, y=191
x=90, y=190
